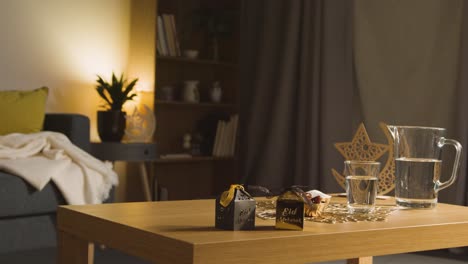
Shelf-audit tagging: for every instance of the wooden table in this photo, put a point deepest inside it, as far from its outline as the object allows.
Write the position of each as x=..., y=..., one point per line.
x=176, y=232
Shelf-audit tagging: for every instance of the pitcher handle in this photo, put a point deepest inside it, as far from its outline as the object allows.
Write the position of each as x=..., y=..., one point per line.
x=444, y=141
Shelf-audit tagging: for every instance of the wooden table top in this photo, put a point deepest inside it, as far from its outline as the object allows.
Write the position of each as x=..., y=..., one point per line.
x=183, y=232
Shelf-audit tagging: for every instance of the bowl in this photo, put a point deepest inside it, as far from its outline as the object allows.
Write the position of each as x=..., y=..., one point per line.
x=191, y=54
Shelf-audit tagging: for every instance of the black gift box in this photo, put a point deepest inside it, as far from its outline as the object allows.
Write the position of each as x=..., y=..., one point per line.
x=290, y=211
x=235, y=210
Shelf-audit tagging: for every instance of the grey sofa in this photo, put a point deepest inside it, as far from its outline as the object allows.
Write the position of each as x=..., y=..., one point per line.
x=27, y=216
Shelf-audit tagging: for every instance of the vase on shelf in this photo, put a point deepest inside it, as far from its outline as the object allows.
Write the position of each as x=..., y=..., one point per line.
x=216, y=92
x=190, y=92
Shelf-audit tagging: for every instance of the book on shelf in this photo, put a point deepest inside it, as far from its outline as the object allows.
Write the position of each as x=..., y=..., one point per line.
x=233, y=136
x=158, y=49
x=216, y=140
x=161, y=42
x=225, y=138
x=169, y=40
x=176, y=38
x=169, y=34
x=176, y=156
x=228, y=136
x=219, y=141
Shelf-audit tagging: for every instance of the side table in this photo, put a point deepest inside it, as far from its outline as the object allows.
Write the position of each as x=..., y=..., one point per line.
x=140, y=153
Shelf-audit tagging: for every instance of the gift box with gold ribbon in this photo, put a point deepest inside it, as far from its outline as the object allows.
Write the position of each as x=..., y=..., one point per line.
x=235, y=209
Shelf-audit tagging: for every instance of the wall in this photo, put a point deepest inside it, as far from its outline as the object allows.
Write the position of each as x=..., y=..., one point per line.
x=64, y=44
x=141, y=61
x=141, y=64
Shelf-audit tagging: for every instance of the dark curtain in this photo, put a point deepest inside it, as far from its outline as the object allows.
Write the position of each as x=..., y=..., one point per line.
x=297, y=91
x=459, y=193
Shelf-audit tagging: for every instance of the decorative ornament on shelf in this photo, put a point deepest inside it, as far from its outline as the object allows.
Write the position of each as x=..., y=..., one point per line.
x=140, y=125
x=187, y=142
x=190, y=54
x=216, y=92
x=111, y=122
x=217, y=23
x=361, y=148
x=166, y=93
x=191, y=93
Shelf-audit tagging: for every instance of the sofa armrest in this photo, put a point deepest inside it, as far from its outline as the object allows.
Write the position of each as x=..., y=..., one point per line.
x=74, y=126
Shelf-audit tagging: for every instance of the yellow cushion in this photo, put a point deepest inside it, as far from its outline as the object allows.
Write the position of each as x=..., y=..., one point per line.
x=22, y=111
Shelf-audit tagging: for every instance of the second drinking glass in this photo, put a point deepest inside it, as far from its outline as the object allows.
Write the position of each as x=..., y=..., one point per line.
x=361, y=185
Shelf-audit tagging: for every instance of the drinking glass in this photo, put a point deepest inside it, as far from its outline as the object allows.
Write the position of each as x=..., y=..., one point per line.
x=361, y=185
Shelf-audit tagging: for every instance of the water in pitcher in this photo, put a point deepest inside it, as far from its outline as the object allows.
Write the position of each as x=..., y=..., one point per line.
x=415, y=182
x=362, y=191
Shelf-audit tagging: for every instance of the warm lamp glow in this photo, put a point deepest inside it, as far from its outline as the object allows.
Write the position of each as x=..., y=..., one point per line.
x=144, y=86
x=95, y=44
x=87, y=38
x=142, y=98
x=73, y=43
x=129, y=106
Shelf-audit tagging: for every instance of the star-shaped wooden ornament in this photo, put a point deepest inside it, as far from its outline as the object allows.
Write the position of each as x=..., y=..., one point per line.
x=361, y=148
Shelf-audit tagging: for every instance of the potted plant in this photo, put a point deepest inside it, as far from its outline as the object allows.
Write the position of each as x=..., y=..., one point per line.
x=111, y=122
x=216, y=23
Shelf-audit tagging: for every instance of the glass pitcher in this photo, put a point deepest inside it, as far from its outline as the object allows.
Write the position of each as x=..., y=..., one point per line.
x=418, y=164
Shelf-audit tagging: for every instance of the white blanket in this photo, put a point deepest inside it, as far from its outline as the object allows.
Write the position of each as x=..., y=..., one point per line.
x=41, y=157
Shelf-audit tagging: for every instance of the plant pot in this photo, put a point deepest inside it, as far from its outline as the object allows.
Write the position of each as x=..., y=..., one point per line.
x=111, y=125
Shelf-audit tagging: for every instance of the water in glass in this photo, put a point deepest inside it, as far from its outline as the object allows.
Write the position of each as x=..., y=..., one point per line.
x=361, y=191
x=416, y=180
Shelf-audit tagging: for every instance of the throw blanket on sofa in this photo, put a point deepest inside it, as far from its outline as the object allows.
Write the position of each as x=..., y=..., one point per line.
x=50, y=156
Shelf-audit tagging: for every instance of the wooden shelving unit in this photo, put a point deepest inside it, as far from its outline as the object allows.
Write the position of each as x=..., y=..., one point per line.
x=203, y=176
x=193, y=159
x=162, y=103
x=197, y=61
